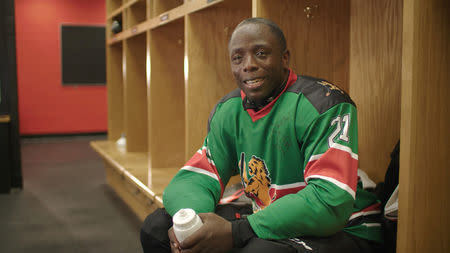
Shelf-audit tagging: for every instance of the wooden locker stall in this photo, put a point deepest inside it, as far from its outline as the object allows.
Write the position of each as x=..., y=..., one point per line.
x=135, y=93
x=424, y=191
x=317, y=34
x=114, y=79
x=166, y=101
x=375, y=80
x=208, y=74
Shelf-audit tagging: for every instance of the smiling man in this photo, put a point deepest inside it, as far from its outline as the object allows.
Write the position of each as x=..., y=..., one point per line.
x=293, y=141
x=259, y=62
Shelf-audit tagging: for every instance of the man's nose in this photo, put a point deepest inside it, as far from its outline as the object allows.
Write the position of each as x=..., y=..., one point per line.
x=250, y=64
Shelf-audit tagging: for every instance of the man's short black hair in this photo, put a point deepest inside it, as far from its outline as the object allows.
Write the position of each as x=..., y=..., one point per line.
x=274, y=28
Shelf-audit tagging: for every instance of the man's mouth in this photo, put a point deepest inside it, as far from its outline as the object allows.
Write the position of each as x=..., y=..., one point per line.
x=253, y=83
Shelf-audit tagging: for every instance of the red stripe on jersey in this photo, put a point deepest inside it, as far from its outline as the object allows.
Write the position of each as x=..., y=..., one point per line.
x=278, y=193
x=201, y=161
x=255, y=115
x=336, y=164
x=372, y=209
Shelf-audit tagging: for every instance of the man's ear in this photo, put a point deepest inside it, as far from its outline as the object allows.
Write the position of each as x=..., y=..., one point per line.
x=285, y=58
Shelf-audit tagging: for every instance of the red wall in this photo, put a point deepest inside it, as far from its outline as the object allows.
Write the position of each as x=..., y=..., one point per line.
x=45, y=106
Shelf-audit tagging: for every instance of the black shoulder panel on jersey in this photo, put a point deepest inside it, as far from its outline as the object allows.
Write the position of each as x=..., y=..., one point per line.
x=322, y=94
x=235, y=93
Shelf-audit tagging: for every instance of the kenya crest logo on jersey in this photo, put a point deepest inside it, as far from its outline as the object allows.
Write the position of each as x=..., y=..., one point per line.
x=256, y=180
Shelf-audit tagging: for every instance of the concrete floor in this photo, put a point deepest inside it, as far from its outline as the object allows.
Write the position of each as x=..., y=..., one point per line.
x=66, y=205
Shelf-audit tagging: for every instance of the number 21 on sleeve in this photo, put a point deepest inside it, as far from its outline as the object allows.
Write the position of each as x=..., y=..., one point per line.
x=342, y=125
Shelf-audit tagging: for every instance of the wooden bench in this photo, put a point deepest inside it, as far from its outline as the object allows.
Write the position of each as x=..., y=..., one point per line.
x=128, y=174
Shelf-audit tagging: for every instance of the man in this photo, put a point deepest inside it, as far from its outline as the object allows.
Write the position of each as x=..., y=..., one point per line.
x=293, y=140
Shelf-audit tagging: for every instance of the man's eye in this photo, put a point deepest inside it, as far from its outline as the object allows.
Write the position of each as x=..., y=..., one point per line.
x=260, y=53
x=236, y=58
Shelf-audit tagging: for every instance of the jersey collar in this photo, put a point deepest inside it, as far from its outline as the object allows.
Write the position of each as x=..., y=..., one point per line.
x=255, y=115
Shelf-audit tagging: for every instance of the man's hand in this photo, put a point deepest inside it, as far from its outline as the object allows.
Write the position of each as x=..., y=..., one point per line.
x=214, y=236
x=174, y=243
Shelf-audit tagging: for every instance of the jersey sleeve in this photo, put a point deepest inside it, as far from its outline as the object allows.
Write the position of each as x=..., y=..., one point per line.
x=323, y=207
x=200, y=182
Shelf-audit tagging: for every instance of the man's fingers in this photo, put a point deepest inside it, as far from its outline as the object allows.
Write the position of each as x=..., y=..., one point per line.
x=193, y=239
x=204, y=216
x=174, y=249
x=213, y=236
x=174, y=244
x=172, y=236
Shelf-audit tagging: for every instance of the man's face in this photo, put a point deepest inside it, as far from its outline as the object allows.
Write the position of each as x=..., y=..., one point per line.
x=258, y=62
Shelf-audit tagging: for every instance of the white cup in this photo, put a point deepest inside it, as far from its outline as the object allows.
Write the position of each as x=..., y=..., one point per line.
x=185, y=223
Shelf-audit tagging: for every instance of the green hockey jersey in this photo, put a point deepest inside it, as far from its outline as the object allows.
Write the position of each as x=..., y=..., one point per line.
x=297, y=158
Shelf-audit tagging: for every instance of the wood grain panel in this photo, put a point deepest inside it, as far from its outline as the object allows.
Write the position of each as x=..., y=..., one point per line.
x=134, y=162
x=424, y=200
x=319, y=44
x=375, y=80
x=166, y=96
x=114, y=81
x=208, y=67
x=148, y=11
x=161, y=6
x=121, y=8
x=137, y=13
x=136, y=94
x=169, y=16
